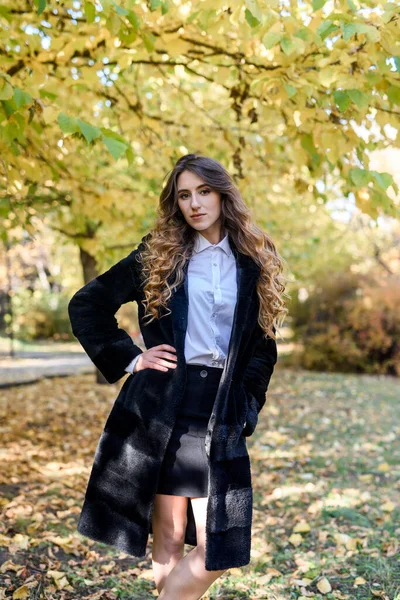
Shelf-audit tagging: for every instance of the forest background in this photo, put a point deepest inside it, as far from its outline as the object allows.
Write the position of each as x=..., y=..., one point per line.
x=300, y=100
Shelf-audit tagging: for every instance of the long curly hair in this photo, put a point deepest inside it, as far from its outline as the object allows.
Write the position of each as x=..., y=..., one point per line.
x=170, y=244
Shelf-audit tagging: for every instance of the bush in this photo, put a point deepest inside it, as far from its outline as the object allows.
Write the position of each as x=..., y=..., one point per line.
x=349, y=324
x=41, y=315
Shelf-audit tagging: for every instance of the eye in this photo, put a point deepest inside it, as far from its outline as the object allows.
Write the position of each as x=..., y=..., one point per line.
x=184, y=194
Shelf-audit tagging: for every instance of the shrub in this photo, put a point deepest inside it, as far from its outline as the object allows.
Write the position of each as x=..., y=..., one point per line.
x=350, y=324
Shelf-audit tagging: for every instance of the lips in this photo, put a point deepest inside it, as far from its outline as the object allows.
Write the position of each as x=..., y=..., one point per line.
x=198, y=216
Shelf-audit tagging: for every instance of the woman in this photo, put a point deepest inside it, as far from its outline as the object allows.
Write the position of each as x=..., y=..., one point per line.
x=172, y=459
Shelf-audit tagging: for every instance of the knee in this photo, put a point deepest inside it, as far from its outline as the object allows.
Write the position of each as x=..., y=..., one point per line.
x=171, y=536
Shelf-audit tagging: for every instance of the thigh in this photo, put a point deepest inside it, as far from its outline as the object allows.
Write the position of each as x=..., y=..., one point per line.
x=200, y=514
x=170, y=517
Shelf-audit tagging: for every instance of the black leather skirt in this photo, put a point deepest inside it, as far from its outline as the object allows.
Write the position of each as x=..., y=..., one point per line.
x=184, y=470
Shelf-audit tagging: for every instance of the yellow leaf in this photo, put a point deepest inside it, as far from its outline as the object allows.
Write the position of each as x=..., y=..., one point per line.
x=302, y=527
x=384, y=467
x=268, y=576
x=55, y=574
x=147, y=574
x=301, y=582
x=352, y=543
x=359, y=581
x=388, y=506
x=324, y=586
x=108, y=568
x=21, y=592
x=62, y=583
x=8, y=565
x=328, y=76
x=20, y=541
x=295, y=539
x=341, y=538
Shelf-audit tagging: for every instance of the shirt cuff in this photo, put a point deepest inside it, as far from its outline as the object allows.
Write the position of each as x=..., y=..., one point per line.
x=131, y=366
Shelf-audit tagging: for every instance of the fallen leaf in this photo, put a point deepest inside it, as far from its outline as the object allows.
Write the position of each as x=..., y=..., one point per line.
x=384, y=467
x=388, y=506
x=236, y=572
x=8, y=565
x=21, y=592
x=324, y=586
x=295, y=539
x=302, y=527
x=147, y=574
x=268, y=576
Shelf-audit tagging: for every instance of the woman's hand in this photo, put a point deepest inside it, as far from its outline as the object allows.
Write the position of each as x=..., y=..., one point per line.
x=157, y=358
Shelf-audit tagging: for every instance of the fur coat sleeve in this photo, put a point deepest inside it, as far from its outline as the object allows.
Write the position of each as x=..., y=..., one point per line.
x=92, y=314
x=257, y=377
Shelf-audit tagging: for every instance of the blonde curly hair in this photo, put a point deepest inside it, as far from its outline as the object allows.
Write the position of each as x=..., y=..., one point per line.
x=171, y=241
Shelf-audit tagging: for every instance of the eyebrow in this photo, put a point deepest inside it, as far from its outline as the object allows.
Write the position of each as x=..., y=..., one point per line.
x=198, y=187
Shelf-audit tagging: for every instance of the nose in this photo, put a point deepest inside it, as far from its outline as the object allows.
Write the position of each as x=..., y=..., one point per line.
x=195, y=203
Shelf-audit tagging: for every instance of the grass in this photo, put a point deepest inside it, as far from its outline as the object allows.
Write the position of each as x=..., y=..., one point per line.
x=325, y=470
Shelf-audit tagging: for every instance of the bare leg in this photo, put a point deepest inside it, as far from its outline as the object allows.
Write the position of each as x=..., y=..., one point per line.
x=189, y=579
x=169, y=525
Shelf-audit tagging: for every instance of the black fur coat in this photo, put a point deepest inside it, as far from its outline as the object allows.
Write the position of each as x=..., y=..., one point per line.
x=117, y=508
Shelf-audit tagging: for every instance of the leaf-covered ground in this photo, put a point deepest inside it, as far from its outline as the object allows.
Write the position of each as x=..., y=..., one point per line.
x=325, y=462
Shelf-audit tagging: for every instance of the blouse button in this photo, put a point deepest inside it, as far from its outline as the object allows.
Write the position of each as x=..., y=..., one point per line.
x=203, y=373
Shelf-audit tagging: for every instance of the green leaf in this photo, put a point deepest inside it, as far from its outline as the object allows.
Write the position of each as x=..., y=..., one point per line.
x=6, y=89
x=154, y=4
x=352, y=6
x=250, y=18
x=326, y=28
x=120, y=10
x=149, y=41
x=41, y=5
x=90, y=12
x=342, y=100
x=5, y=12
x=21, y=98
x=129, y=155
x=287, y=45
x=396, y=60
x=349, y=30
x=89, y=131
x=164, y=10
x=394, y=94
x=370, y=31
x=304, y=34
x=384, y=180
x=380, y=199
x=318, y=4
x=133, y=19
x=359, y=98
x=116, y=147
x=271, y=38
x=359, y=177
x=254, y=8
x=67, y=124
x=307, y=143
x=291, y=91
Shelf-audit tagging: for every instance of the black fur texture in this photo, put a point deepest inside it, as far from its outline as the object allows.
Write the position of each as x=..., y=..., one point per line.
x=118, y=504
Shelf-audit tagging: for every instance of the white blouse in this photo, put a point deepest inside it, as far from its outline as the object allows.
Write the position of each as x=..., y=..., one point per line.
x=212, y=288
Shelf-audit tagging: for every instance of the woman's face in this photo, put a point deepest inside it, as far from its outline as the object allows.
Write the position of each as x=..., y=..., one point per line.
x=197, y=197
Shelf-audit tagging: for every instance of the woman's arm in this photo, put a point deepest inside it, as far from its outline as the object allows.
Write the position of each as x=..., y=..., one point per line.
x=92, y=314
